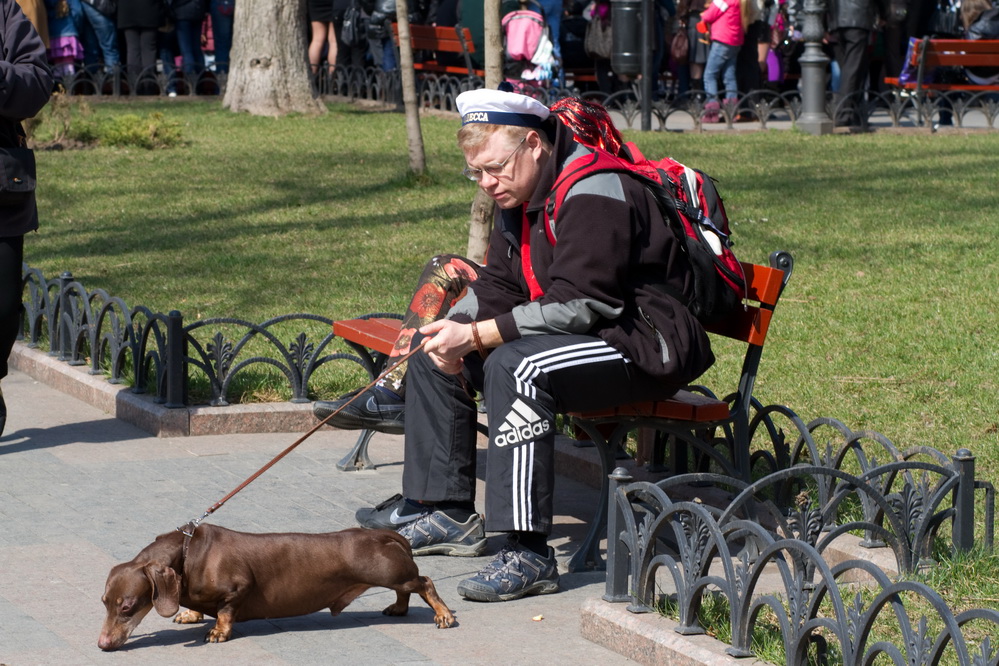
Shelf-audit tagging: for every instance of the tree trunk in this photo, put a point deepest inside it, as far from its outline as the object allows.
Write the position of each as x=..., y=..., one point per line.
x=482, y=207
x=414, y=134
x=268, y=72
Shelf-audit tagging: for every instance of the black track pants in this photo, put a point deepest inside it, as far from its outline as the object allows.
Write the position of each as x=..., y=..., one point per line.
x=525, y=383
x=11, y=256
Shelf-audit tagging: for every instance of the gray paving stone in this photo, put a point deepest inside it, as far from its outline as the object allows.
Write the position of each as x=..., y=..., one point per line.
x=81, y=491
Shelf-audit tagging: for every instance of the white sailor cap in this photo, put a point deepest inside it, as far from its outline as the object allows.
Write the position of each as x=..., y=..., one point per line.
x=497, y=107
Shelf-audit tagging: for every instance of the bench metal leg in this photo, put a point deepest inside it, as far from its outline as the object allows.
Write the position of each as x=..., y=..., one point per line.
x=588, y=558
x=358, y=458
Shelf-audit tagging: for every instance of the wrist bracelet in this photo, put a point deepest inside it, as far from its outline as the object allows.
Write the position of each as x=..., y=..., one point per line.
x=478, y=340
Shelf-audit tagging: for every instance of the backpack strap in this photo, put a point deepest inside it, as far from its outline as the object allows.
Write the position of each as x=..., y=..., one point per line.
x=575, y=171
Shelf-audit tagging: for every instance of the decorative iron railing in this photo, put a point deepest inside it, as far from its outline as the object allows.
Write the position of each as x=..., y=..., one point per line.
x=708, y=533
x=757, y=109
x=161, y=350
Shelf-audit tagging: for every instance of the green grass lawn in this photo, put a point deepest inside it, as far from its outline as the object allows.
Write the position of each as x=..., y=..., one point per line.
x=889, y=322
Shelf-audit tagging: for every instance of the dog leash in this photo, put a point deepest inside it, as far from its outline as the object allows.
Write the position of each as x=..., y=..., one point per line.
x=188, y=529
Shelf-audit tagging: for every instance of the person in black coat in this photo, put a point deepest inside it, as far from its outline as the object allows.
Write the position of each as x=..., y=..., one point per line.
x=851, y=23
x=140, y=20
x=26, y=87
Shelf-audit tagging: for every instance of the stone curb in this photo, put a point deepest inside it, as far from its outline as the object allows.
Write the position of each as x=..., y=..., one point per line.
x=145, y=413
x=649, y=638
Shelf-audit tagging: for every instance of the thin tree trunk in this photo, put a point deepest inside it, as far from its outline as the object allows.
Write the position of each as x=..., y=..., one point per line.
x=482, y=207
x=414, y=133
x=268, y=72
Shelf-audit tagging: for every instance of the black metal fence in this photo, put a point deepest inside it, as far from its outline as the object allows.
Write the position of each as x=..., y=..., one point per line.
x=763, y=546
x=672, y=111
x=162, y=350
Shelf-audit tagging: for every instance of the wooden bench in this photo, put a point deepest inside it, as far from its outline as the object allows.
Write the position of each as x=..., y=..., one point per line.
x=436, y=40
x=690, y=420
x=685, y=420
x=929, y=54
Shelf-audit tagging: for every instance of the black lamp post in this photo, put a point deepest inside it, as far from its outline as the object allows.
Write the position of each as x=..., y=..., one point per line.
x=632, y=47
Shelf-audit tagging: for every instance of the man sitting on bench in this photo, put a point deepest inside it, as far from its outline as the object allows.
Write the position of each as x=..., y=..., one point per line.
x=546, y=328
x=443, y=281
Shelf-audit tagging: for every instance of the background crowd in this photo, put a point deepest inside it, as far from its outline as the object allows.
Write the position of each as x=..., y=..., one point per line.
x=190, y=35
x=718, y=48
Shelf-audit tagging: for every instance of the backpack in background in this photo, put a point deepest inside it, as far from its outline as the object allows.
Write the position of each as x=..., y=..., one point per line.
x=691, y=207
x=527, y=45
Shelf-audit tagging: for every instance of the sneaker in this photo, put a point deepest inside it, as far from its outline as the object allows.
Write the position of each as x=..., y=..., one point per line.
x=435, y=533
x=373, y=409
x=391, y=514
x=514, y=573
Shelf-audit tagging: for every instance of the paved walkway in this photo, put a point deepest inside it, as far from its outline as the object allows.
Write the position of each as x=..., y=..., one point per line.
x=81, y=491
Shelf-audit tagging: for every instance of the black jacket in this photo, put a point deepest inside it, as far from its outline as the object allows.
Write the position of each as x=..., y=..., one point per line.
x=189, y=10
x=612, y=247
x=141, y=14
x=856, y=13
x=25, y=87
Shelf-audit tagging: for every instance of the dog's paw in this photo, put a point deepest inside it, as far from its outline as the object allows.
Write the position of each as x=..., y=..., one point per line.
x=444, y=620
x=216, y=635
x=188, y=617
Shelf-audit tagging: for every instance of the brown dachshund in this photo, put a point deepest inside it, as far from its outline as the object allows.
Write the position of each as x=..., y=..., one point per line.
x=235, y=576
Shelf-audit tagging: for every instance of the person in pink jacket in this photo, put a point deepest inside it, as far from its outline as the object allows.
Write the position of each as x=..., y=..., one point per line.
x=727, y=21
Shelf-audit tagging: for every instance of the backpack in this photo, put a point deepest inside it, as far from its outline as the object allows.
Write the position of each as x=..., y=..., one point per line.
x=691, y=206
x=527, y=45
x=353, y=31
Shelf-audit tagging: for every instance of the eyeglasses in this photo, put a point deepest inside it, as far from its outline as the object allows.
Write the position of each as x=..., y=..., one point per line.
x=493, y=170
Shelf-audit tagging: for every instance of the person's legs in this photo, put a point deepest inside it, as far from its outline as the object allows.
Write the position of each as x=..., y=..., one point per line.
x=526, y=383
x=716, y=59
x=103, y=29
x=851, y=54
x=712, y=69
x=11, y=257
x=333, y=48
x=319, y=31
x=189, y=42
x=729, y=72
x=438, y=480
x=222, y=32
x=440, y=437
x=133, y=50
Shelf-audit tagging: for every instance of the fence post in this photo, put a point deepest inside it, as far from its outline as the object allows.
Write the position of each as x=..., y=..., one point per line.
x=964, y=500
x=618, y=559
x=63, y=325
x=176, y=351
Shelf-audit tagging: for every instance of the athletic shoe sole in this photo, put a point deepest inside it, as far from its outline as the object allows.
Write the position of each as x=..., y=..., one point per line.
x=348, y=421
x=475, y=593
x=452, y=549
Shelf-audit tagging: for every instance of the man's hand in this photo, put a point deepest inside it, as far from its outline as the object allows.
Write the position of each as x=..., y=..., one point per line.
x=450, y=343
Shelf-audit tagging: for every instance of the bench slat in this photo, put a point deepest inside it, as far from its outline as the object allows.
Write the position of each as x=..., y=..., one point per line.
x=684, y=406
x=440, y=39
x=377, y=333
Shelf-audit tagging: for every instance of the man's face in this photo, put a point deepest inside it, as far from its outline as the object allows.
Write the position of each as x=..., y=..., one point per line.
x=512, y=183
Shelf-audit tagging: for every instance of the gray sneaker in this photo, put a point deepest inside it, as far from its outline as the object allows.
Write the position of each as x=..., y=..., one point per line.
x=434, y=533
x=514, y=573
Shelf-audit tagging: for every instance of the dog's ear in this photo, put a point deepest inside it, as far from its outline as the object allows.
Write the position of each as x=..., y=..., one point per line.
x=166, y=589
